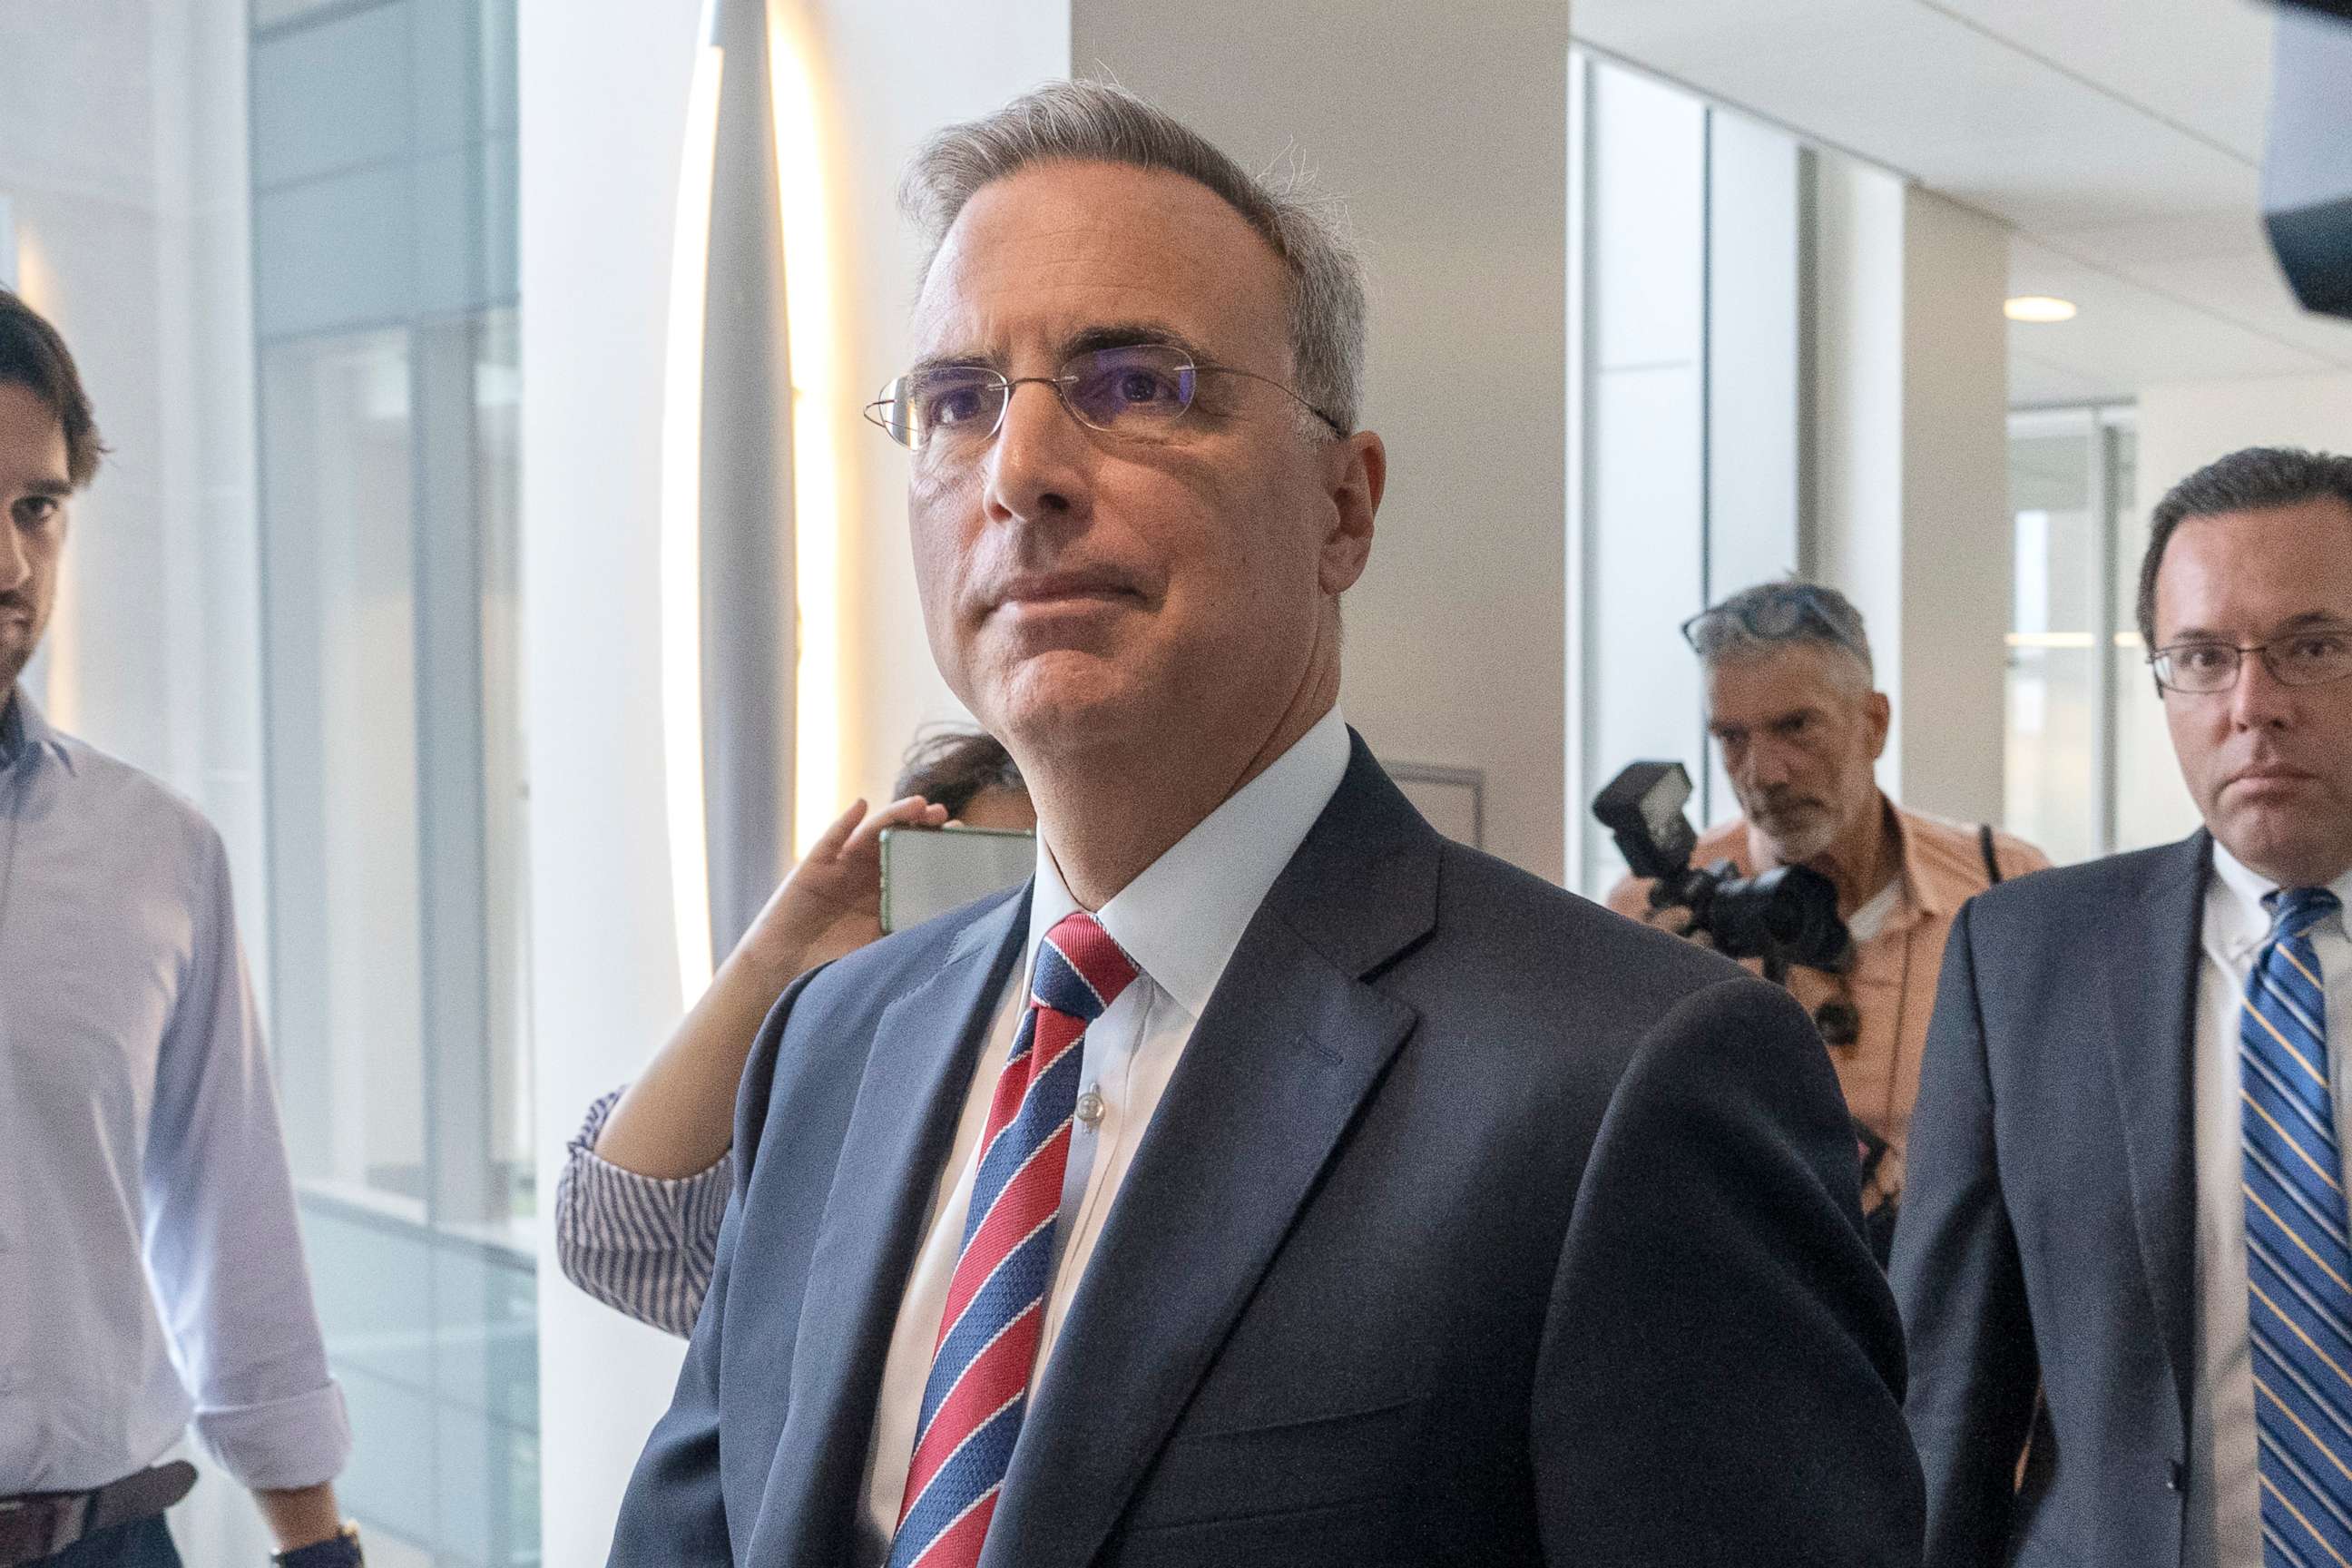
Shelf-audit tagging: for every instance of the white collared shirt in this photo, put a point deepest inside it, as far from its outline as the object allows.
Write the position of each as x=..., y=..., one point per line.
x=1179, y=920
x=2224, y=1488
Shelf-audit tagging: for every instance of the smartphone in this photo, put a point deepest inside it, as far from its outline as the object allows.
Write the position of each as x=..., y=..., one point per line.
x=927, y=871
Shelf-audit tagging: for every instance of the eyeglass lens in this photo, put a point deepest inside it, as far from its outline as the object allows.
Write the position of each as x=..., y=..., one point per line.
x=1137, y=389
x=2301, y=658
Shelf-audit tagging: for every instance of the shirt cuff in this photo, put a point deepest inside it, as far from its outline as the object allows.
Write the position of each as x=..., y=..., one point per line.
x=283, y=1445
x=643, y=1245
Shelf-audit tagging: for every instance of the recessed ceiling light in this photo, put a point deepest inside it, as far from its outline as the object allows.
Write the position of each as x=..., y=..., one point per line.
x=2038, y=308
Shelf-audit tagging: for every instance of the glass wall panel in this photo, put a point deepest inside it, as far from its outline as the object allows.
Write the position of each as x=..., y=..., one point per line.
x=391, y=410
x=280, y=236
x=1687, y=230
x=2053, y=785
x=341, y=654
x=2090, y=767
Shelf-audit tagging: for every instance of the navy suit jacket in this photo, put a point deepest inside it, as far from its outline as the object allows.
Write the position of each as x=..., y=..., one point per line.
x=1476, y=1225
x=2047, y=1263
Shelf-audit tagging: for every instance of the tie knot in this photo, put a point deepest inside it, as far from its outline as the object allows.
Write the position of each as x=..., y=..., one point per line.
x=2294, y=910
x=1080, y=970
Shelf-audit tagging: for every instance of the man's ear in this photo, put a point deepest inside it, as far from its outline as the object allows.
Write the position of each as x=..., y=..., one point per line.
x=1881, y=715
x=1357, y=473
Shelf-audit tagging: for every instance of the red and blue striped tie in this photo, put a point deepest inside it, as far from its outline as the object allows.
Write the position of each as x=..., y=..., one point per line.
x=995, y=1310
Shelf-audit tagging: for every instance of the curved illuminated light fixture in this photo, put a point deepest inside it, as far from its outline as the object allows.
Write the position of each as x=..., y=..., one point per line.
x=2040, y=309
x=821, y=392
x=748, y=668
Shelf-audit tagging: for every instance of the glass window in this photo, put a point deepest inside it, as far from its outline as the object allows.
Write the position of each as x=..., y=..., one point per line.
x=340, y=652
x=389, y=436
x=2089, y=765
x=293, y=593
x=1686, y=228
x=2053, y=657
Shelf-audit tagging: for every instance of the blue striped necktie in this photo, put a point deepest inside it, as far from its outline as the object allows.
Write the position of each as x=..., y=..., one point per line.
x=2298, y=1260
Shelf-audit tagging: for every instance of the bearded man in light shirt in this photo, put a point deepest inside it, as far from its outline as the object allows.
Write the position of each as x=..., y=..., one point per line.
x=1794, y=713
x=1270, y=1180
x=150, y=1271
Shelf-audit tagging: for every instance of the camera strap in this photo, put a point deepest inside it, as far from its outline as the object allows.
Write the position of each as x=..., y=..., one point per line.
x=1984, y=847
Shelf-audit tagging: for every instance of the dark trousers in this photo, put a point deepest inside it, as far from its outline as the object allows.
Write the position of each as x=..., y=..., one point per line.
x=141, y=1543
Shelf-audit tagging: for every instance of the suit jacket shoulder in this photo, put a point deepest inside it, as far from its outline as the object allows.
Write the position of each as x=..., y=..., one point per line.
x=2079, y=902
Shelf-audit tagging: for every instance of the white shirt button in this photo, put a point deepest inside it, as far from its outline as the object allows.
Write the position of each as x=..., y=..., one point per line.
x=1090, y=1108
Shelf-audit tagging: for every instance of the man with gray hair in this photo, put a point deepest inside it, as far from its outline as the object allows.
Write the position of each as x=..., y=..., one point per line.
x=1790, y=701
x=1269, y=1179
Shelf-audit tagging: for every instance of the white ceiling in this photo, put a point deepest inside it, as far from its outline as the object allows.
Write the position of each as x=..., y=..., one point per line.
x=2121, y=139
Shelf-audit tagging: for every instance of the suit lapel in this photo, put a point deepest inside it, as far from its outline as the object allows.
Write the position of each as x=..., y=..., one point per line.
x=1291, y=1043
x=2152, y=991
x=901, y=1131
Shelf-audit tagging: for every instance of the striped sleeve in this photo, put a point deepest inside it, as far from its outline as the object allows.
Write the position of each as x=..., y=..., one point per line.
x=640, y=1245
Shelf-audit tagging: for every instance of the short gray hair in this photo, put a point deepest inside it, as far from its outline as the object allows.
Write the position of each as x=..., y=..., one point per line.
x=1811, y=611
x=1097, y=122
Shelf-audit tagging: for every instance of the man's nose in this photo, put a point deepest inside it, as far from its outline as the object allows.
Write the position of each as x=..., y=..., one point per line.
x=1767, y=763
x=2259, y=700
x=16, y=561
x=1036, y=467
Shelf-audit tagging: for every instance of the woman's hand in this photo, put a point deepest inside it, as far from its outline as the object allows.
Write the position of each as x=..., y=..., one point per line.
x=831, y=903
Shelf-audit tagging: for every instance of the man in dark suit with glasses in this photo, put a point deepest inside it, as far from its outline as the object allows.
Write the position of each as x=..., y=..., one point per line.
x=1269, y=1181
x=2122, y=1263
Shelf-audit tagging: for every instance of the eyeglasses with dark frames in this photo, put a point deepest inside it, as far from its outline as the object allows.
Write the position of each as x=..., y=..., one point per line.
x=2312, y=656
x=1137, y=390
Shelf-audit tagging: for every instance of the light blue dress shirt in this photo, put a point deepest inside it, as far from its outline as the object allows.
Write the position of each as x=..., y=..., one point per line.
x=151, y=1270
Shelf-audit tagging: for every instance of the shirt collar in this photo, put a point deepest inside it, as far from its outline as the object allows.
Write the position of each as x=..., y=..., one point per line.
x=2235, y=918
x=1181, y=919
x=26, y=733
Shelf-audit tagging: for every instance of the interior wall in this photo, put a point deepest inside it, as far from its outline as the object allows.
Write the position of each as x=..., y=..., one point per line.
x=1910, y=516
x=1444, y=128
x=1956, y=551
x=604, y=88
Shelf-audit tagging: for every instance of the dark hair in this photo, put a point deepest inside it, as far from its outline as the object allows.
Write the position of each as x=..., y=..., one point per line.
x=2259, y=478
x=954, y=766
x=34, y=357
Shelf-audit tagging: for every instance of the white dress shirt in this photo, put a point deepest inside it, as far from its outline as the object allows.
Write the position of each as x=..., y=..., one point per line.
x=150, y=1267
x=2224, y=1489
x=1179, y=921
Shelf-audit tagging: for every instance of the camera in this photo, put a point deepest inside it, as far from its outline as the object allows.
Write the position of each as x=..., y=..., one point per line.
x=1786, y=915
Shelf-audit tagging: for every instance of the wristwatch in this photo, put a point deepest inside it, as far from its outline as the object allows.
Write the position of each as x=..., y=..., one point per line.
x=340, y=1550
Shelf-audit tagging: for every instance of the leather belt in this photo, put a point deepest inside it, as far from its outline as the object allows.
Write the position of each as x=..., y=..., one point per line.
x=42, y=1525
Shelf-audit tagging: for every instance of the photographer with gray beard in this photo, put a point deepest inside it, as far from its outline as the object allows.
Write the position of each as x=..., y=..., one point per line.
x=1790, y=703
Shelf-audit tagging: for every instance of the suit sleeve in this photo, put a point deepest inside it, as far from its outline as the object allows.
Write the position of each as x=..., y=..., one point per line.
x=1722, y=1369
x=1974, y=1371
x=674, y=1514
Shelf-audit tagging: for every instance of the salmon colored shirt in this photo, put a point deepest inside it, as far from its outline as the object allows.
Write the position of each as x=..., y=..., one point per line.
x=1892, y=982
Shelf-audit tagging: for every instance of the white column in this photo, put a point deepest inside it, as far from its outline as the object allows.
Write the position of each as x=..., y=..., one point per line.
x=1910, y=515
x=604, y=91
x=1457, y=183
